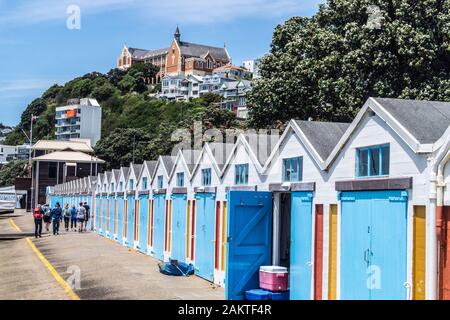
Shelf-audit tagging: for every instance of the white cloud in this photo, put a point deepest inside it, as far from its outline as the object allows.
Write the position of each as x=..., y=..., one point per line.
x=18, y=86
x=181, y=11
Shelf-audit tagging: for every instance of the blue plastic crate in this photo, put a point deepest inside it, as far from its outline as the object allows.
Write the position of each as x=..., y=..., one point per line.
x=280, y=295
x=257, y=294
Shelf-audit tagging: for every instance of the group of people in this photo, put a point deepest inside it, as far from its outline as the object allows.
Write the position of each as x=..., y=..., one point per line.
x=76, y=217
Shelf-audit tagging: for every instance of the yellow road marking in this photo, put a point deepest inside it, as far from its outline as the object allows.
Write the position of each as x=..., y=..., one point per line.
x=48, y=265
x=15, y=226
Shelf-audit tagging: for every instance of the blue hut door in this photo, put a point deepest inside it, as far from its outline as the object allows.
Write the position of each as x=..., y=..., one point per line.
x=387, y=271
x=373, y=245
x=112, y=207
x=143, y=223
x=204, y=235
x=97, y=213
x=104, y=200
x=120, y=219
x=179, y=207
x=301, y=244
x=355, y=242
x=130, y=221
x=249, y=242
x=158, y=226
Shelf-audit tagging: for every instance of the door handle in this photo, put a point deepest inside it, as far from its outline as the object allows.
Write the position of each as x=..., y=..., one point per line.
x=309, y=264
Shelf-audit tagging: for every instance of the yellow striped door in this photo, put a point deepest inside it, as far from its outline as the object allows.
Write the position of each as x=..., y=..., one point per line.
x=332, y=261
x=419, y=253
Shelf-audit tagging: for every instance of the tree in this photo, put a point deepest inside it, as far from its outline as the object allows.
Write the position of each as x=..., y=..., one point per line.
x=11, y=171
x=122, y=146
x=327, y=66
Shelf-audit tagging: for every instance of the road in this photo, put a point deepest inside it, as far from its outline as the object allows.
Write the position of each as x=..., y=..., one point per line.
x=84, y=266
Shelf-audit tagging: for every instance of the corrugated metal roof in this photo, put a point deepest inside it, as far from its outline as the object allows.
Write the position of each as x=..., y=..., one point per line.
x=425, y=120
x=69, y=156
x=59, y=145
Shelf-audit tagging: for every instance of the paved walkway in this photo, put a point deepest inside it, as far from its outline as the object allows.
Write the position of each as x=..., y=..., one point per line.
x=107, y=270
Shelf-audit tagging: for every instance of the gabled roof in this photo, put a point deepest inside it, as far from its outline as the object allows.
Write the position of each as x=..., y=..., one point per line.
x=68, y=156
x=425, y=120
x=189, y=159
x=168, y=162
x=199, y=50
x=148, y=166
x=124, y=172
x=322, y=135
x=134, y=168
x=220, y=153
x=107, y=178
x=115, y=175
x=100, y=179
x=141, y=54
x=261, y=145
x=410, y=119
x=318, y=138
x=61, y=145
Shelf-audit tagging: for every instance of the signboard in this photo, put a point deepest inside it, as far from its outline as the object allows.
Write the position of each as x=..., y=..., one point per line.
x=7, y=199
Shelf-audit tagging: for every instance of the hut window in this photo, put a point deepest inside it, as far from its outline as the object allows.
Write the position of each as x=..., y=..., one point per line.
x=292, y=169
x=131, y=184
x=241, y=174
x=180, y=179
x=160, y=182
x=112, y=187
x=144, y=183
x=206, y=177
x=121, y=186
x=373, y=161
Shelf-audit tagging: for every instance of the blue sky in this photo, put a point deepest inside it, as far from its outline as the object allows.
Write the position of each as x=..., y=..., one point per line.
x=38, y=50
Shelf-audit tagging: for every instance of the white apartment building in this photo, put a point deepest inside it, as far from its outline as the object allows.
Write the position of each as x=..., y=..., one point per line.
x=11, y=153
x=253, y=67
x=181, y=87
x=79, y=119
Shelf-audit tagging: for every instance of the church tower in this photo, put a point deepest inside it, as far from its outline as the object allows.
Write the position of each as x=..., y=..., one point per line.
x=177, y=35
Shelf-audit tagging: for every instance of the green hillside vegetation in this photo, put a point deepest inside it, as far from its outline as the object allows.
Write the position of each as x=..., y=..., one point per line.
x=134, y=124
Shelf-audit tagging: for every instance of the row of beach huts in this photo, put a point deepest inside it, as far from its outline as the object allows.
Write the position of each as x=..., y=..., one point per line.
x=353, y=210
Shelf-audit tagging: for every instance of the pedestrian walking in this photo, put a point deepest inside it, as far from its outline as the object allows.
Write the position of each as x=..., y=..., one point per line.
x=88, y=215
x=47, y=219
x=56, y=216
x=67, y=215
x=81, y=216
x=38, y=215
x=73, y=218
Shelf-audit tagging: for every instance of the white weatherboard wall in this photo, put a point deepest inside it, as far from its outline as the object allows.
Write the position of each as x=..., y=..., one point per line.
x=241, y=156
x=403, y=163
x=371, y=131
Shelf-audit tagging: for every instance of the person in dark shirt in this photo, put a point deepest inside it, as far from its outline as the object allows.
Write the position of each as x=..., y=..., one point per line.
x=56, y=216
x=73, y=218
x=88, y=212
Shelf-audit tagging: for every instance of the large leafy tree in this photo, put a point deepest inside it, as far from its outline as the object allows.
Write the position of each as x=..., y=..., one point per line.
x=14, y=169
x=326, y=66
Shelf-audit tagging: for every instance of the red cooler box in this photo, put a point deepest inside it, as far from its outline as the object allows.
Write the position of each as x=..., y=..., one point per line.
x=273, y=278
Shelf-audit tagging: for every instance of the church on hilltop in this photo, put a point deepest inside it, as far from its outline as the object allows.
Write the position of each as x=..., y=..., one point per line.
x=181, y=58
